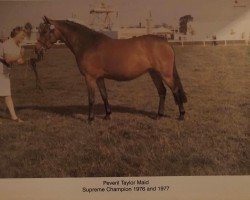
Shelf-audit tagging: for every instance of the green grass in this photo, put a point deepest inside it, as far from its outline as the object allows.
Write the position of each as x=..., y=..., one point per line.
x=57, y=141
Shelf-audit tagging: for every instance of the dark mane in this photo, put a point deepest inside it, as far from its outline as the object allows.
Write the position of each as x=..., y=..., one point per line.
x=81, y=29
x=81, y=37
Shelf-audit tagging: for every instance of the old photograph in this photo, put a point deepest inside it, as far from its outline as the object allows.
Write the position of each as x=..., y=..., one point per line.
x=124, y=88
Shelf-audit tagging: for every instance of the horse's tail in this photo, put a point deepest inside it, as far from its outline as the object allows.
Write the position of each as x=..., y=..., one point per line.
x=181, y=92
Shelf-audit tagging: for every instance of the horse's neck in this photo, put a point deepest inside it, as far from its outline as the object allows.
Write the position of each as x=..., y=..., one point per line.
x=77, y=43
x=68, y=43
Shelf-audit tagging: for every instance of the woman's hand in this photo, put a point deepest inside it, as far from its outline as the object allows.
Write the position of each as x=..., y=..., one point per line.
x=20, y=61
x=10, y=58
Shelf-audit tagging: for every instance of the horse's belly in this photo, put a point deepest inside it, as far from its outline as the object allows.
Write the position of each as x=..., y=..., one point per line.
x=125, y=72
x=126, y=67
x=123, y=76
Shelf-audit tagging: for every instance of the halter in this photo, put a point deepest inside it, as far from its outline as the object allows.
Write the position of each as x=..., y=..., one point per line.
x=43, y=44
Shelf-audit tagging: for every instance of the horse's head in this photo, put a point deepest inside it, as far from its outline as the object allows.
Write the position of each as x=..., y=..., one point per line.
x=48, y=34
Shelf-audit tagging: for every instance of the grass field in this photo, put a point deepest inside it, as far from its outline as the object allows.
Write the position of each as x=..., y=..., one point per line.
x=57, y=141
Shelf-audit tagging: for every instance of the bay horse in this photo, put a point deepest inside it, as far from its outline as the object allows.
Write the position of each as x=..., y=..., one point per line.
x=100, y=57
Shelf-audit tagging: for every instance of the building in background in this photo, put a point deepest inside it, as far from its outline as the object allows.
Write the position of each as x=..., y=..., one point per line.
x=229, y=29
x=104, y=18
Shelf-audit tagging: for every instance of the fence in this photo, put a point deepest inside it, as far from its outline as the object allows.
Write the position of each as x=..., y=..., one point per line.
x=211, y=42
x=182, y=43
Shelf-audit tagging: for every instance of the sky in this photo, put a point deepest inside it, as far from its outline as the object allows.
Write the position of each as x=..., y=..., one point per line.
x=217, y=12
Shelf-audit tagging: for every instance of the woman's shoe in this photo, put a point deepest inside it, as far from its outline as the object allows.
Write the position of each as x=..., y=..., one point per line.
x=18, y=120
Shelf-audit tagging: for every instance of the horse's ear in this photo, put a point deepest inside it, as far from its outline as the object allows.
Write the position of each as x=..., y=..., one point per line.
x=46, y=20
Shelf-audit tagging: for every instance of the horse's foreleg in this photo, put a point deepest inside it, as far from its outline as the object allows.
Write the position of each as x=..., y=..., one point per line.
x=161, y=91
x=102, y=88
x=91, y=84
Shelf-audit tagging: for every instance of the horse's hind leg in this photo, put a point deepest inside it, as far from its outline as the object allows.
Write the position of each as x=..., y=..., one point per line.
x=102, y=88
x=161, y=91
x=174, y=84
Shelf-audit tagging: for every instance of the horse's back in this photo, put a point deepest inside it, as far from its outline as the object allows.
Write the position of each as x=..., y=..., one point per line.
x=145, y=43
x=153, y=48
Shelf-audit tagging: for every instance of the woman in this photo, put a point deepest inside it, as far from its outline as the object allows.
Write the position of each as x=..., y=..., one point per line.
x=10, y=53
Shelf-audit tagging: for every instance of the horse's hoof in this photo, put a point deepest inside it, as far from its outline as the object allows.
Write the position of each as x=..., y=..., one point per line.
x=40, y=91
x=107, y=117
x=181, y=118
x=90, y=119
x=159, y=116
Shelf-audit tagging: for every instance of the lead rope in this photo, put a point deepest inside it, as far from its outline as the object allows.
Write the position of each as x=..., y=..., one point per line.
x=27, y=68
x=31, y=65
